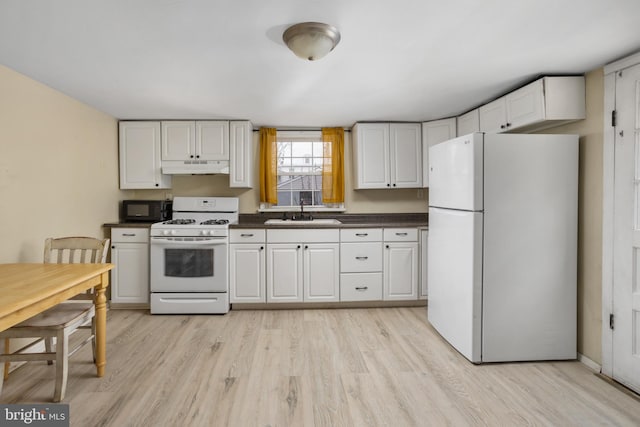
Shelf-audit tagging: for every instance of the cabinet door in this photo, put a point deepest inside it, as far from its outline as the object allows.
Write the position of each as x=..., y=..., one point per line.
x=525, y=105
x=246, y=273
x=212, y=140
x=400, y=271
x=371, y=155
x=284, y=272
x=130, y=276
x=140, y=161
x=178, y=140
x=321, y=272
x=433, y=133
x=240, y=155
x=423, y=292
x=493, y=116
x=405, y=149
x=468, y=123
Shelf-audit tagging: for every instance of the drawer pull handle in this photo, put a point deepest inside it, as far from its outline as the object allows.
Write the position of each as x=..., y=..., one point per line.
x=362, y=234
x=361, y=288
x=401, y=234
x=246, y=235
x=129, y=234
x=362, y=258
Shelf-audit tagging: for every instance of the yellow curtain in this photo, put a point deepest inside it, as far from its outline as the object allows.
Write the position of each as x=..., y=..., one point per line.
x=333, y=165
x=268, y=166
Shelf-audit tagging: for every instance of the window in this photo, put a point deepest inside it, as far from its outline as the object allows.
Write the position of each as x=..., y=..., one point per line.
x=296, y=165
x=299, y=168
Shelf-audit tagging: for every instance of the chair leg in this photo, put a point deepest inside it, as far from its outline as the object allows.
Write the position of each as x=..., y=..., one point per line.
x=48, y=345
x=62, y=365
x=7, y=365
x=93, y=340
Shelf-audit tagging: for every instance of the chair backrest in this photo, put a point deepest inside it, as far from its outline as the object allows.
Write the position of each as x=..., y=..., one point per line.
x=74, y=250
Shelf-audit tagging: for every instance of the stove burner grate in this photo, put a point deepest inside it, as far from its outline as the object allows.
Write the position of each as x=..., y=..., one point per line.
x=215, y=222
x=180, y=221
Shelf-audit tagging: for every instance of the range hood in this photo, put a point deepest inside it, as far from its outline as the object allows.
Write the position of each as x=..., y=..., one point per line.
x=195, y=167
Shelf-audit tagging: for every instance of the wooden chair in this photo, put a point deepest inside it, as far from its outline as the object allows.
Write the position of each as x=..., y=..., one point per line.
x=63, y=319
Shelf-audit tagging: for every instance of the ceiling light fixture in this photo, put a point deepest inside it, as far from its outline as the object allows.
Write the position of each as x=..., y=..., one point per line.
x=311, y=40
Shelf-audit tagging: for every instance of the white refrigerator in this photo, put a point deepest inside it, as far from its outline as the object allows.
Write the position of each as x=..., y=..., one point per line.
x=502, y=246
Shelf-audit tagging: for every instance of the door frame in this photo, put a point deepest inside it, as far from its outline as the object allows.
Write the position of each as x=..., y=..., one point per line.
x=608, y=169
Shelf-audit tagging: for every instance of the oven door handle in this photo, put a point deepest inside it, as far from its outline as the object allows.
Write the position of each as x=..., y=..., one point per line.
x=164, y=241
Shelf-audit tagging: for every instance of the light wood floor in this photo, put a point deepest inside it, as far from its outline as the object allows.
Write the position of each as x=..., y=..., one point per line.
x=325, y=367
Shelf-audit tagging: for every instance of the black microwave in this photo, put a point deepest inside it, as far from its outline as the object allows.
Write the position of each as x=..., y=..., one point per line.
x=146, y=210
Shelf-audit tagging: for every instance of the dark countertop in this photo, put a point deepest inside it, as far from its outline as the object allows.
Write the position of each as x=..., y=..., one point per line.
x=348, y=221
x=128, y=224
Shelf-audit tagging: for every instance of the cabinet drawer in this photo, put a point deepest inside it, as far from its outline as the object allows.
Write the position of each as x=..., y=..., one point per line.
x=360, y=257
x=296, y=235
x=361, y=287
x=247, y=235
x=129, y=235
x=400, y=234
x=361, y=235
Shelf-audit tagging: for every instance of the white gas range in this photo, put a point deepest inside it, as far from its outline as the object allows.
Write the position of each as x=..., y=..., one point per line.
x=189, y=257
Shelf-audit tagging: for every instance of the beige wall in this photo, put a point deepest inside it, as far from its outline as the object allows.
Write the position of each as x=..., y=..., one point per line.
x=58, y=167
x=590, y=217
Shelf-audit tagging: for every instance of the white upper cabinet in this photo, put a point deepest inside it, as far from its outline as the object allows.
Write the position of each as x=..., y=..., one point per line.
x=433, y=133
x=406, y=155
x=240, y=154
x=468, y=122
x=546, y=102
x=212, y=140
x=387, y=155
x=195, y=140
x=140, y=159
x=493, y=116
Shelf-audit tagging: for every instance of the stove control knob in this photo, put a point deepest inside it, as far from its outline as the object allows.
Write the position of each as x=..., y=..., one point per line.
x=165, y=232
x=174, y=232
x=207, y=232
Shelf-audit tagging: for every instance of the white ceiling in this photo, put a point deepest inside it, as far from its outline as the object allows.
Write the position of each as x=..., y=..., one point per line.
x=400, y=60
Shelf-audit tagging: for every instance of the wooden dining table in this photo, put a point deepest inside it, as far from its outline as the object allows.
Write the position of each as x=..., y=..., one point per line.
x=29, y=289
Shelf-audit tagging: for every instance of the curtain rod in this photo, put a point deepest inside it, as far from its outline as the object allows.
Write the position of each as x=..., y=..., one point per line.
x=301, y=130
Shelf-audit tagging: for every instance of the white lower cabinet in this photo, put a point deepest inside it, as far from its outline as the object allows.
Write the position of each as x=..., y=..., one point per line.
x=423, y=292
x=303, y=265
x=400, y=278
x=247, y=262
x=130, y=255
x=361, y=264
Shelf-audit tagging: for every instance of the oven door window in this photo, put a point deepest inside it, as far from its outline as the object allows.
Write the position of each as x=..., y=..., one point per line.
x=188, y=262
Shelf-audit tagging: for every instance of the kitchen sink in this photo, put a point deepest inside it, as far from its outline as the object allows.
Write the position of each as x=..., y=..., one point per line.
x=317, y=221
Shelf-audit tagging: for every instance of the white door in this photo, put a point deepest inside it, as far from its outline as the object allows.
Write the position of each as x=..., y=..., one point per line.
x=140, y=156
x=405, y=150
x=626, y=232
x=321, y=272
x=456, y=173
x=284, y=272
x=178, y=140
x=130, y=276
x=212, y=140
x=493, y=116
x=371, y=152
x=455, y=278
x=246, y=272
x=468, y=123
x=400, y=271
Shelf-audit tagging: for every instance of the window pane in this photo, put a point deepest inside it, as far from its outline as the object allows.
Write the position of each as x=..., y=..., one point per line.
x=317, y=149
x=284, y=198
x=317, y=197
x=301, y=149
